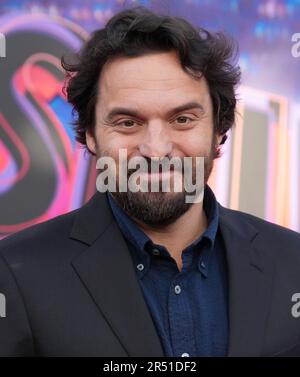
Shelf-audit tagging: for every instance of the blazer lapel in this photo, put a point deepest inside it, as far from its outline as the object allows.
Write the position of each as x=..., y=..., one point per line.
x=250, y=279
x=107, y=272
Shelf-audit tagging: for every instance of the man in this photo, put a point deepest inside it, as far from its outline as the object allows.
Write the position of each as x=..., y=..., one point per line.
x=146, y=273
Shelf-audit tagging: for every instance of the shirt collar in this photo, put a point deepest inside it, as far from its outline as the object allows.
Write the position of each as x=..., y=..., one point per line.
x=140, y=240
x=129, y=228
x=211, y=208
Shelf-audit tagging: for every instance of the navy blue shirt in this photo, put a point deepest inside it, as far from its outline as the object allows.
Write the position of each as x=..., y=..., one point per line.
x=189, y=307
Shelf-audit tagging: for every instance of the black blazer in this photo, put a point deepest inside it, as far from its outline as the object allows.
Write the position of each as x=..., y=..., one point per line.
x=71, y=288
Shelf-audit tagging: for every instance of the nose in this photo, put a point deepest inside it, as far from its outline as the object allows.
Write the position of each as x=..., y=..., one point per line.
x=156, y=141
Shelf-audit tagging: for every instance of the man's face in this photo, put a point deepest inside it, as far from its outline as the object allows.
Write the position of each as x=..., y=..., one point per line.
x=151, y=107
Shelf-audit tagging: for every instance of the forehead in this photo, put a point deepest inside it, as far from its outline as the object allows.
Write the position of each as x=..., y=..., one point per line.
x=153, y=79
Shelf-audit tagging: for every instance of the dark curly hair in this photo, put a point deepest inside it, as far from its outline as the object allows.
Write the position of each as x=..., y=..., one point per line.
x=137, y=32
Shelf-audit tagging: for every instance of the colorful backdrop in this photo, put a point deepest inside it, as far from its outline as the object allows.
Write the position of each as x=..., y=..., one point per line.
x=44, y=173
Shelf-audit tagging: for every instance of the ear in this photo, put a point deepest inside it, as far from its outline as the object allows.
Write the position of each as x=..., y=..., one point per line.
x=219, y=139
x=90, y=142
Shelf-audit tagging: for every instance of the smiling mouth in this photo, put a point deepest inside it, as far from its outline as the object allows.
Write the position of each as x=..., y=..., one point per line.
x=160, y=173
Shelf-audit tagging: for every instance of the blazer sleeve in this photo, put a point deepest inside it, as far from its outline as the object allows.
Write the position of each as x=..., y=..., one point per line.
x=15, y=333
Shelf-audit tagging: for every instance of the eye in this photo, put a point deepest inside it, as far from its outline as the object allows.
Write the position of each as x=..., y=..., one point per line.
x=182, y=119
x=127, y=123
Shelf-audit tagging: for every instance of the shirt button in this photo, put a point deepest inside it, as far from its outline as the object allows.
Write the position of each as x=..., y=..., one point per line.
x=155, y=252
x=177, y=289
x=185, y=354
x=140, y=267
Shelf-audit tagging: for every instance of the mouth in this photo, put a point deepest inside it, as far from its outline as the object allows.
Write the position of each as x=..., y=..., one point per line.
x=161, y=174
x=158, y=169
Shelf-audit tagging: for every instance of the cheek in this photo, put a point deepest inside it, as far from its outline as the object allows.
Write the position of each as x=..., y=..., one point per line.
x=110, y=142
x=196, y=144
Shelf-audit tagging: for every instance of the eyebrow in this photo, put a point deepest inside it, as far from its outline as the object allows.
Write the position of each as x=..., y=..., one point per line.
x=135, y=114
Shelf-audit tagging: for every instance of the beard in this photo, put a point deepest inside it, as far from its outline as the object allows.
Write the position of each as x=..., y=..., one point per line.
x=160, y=208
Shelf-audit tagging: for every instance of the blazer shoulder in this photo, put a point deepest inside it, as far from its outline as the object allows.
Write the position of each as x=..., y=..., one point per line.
x=42, y=235
x=260, y=224
x=272, y=238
